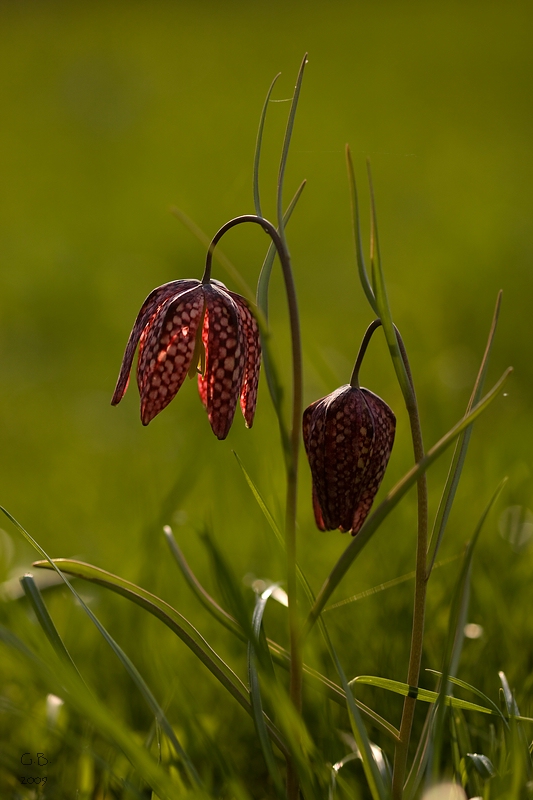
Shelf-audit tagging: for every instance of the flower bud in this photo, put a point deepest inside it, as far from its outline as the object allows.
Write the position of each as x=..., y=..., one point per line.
x=348, y=438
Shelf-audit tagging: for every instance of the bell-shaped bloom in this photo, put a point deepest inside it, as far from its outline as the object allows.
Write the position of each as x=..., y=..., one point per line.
x=185, y=327
x=348, y=438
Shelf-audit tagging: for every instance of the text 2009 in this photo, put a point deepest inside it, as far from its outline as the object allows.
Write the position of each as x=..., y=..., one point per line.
x=33, y=780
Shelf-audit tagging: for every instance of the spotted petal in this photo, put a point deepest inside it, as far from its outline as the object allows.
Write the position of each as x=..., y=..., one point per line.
x=166, y=349
x=252, y=364
x=148, y=312
x=348, y=438
x=220, y=385
x=384, y=423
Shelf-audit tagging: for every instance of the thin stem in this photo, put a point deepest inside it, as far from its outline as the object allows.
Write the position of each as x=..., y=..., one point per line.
x=291, y=458
x=417, y=635
x=354, y=380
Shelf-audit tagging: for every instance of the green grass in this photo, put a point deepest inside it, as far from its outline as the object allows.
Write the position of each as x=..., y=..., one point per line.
x=113, y=112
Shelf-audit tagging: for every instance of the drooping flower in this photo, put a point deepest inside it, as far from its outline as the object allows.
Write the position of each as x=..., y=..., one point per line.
x=348, y=438
x=184, y=324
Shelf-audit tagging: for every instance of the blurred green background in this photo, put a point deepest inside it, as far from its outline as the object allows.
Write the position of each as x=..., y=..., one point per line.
x=114, y=111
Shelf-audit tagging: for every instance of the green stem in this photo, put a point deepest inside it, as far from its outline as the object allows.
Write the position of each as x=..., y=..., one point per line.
x=417, y=635
x=354, y=380
x=291, y=459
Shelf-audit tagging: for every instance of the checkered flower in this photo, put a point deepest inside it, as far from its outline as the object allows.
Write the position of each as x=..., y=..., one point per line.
x=348, y=438
x=188, y=327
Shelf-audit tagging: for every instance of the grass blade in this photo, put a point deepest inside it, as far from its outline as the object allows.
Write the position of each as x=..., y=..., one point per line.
x=356, y=224
x=33, y=594
x=121, y=655
x=393, y=498
x=374, y=777
x=266, y=269
x=64, y=681
x=458, y=612
x=461, y=447
x=258, y=143
x=170, y=617
x=382, y=303
x=255, y=691
x=204, y=597
x=286, y=145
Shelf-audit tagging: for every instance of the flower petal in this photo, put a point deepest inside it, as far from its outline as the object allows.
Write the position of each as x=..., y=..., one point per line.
x=384, y=423
x=166, y=349
x=146, y=315
x=252, y=364
x=221, y=383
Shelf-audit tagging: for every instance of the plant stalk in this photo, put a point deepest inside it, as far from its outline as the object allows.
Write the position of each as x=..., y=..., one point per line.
x=291, y=461
x=417, y=634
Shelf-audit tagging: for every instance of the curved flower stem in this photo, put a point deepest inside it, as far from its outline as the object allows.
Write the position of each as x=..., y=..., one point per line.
x=291, y=452
x=354, y=380
x=421, y=577
x=417, y=635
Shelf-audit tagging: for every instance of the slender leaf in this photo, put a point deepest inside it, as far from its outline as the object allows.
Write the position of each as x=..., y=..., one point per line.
x=454, y=643
x=258, y=143
x=375, y=778
x=478, y=692
x=483, y=765
x=126, y=662
x=286, y=145
x=382, y=302
x=356, y=222
x=255, y=691
x=203, y=596
x=170, y=617
x=461, y=447
x=66, y=683
x=266, y=269
x=427, y=695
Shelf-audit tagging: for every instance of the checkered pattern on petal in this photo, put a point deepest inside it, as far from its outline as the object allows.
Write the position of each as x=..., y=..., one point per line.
x=224, y=359
x=147, y=314
x=252, y=364
x=384, y=423
x=348, y=438
x=166, y=349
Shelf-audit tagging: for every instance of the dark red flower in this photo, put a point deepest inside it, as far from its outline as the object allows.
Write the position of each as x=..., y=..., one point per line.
x=184, y=324
x=348, y=438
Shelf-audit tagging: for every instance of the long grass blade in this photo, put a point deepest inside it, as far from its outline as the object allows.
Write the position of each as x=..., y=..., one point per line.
x=202, y=595
x=474, y=690
x=393, y=498
x=266, y=269
x=170, y=617
x=382, y=301
x=356, y=224
x=31, y=590
x=255, y=691
x=409, y=576
x=429, y=696
x=286, y=145
x=65, y=683
x=454, y=643
x=461, y=447
x=374, y=777
x=258, y=143
x=334, y=691
x=125, y=660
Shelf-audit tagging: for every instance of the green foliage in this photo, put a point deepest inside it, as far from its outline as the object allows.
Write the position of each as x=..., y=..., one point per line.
x=113, y=112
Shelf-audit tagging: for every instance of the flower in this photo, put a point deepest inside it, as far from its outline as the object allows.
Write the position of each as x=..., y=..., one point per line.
x=183, y=324
x=348, y=438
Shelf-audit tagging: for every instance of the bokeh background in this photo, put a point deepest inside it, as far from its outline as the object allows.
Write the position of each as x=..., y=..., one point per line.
x=114, y=111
